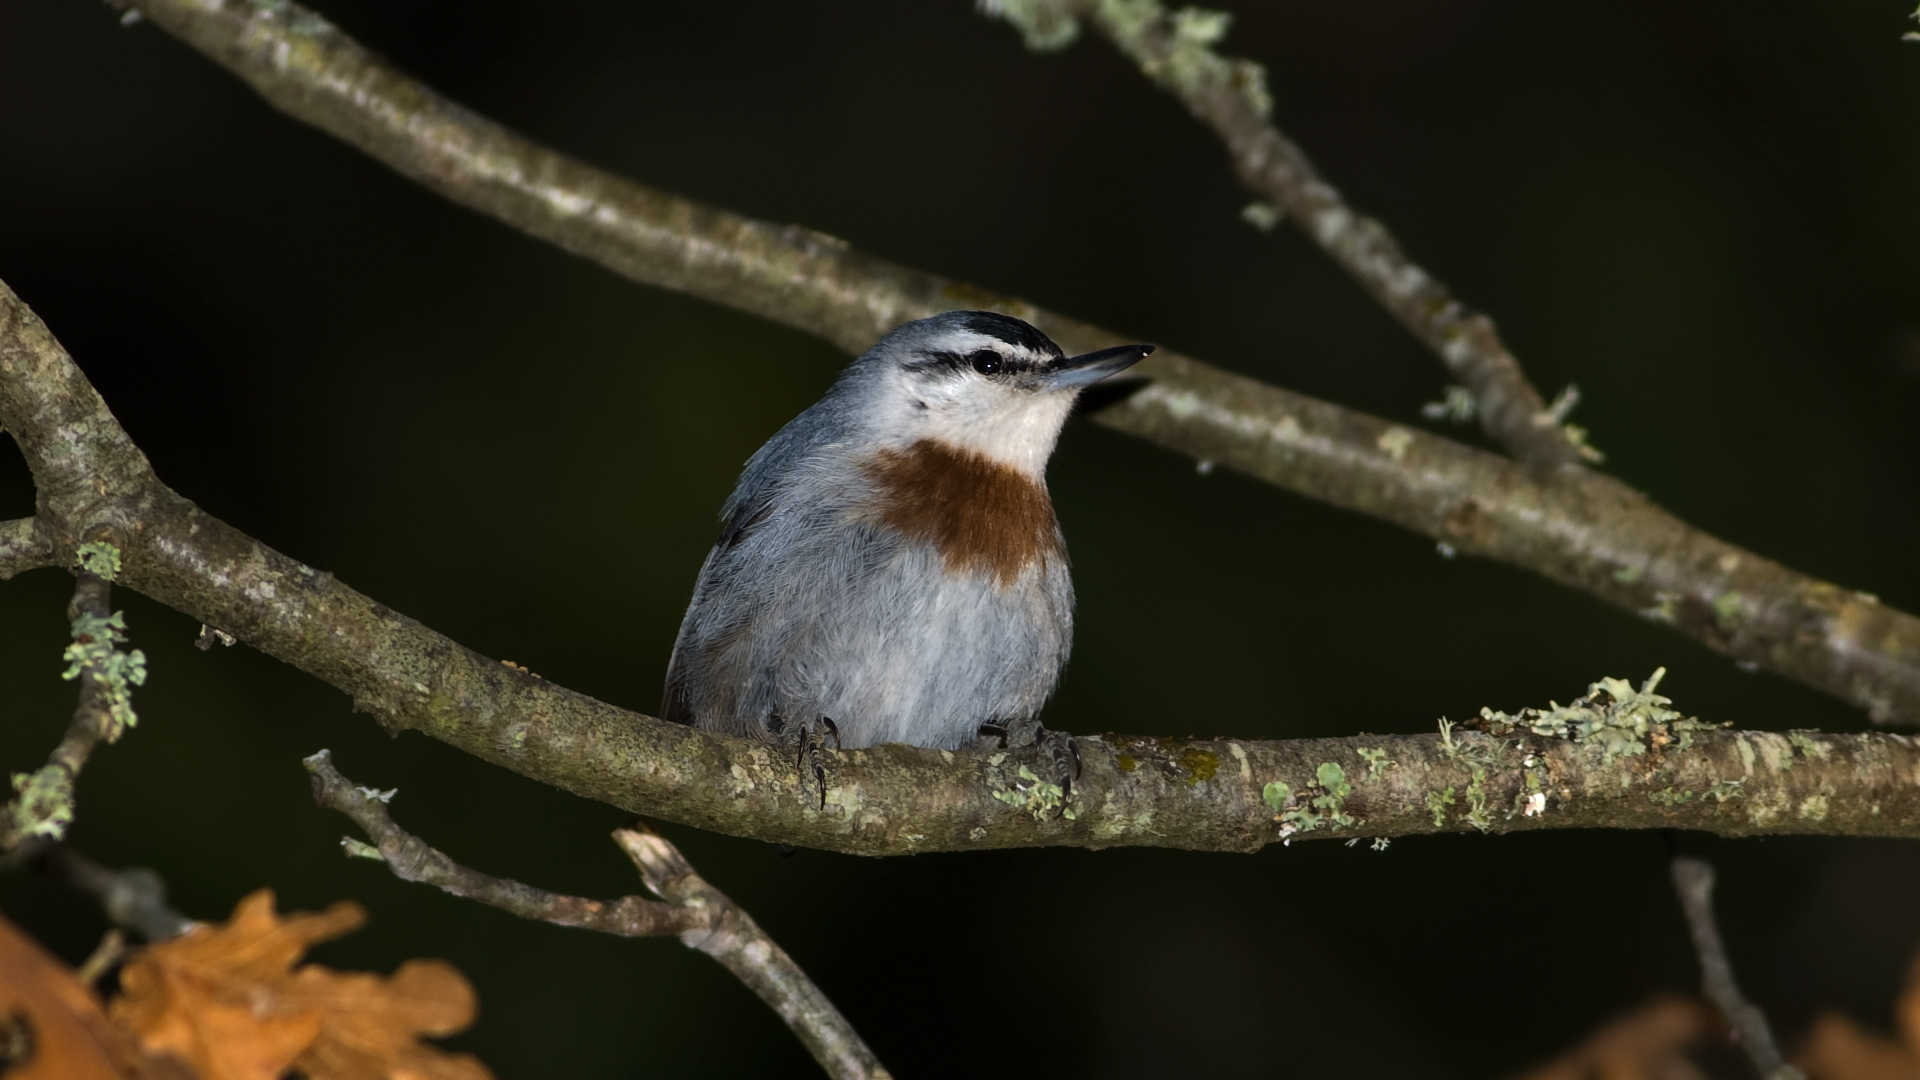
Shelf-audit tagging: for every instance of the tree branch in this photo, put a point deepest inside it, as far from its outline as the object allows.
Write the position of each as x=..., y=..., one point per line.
x=1175, y=50
x=894, y=799
x=134, y=899
x=413, y=859
x=22, y=547
x=43, y=805
x=1693, y=880
x=700, y=915
x=1578, y=528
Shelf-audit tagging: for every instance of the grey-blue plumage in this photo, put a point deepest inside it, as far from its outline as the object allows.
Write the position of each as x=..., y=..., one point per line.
x=890, y=561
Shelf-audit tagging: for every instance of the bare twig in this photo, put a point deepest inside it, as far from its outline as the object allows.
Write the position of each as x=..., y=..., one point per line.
x=1175, y=49
x=1575, y=527
x=134, y=899
x=1693, y=880
x=412, y=859
x=22, y=547
x=743, y=948
x=43, y=803
x=702, y=916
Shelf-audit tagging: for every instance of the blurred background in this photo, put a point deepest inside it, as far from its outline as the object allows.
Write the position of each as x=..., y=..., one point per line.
x=1701, y=213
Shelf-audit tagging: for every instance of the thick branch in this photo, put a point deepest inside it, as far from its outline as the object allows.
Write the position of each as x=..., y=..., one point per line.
x=700, y=915
x=1230, y=96
x=1693, y=880
x=1203, y=795
x=1577, y=528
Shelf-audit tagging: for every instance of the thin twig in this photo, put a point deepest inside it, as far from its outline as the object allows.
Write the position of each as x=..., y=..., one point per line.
x=1576, y=527
x=134, y=899
x=412, y=859
x=1693, y=880
x=43, y=803
x=743, y=948
x=702, y=916
x=1230, y=96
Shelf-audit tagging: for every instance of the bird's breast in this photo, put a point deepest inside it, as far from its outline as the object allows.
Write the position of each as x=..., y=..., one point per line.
x=983, y=517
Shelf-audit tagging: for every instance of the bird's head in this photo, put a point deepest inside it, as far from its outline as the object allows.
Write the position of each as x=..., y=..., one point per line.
x=983, y=383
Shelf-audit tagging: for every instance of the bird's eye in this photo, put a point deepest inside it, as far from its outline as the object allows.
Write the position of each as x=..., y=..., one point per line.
x=986, y=362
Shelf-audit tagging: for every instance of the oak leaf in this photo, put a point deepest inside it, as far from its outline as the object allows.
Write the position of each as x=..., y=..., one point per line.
x=52, y=1026
x=229, y=1001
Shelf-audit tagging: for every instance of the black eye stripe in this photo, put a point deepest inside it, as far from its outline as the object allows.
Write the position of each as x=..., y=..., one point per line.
x=984, y=361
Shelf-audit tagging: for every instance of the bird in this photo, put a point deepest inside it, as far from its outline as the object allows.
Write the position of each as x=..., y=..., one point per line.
x=889, y=567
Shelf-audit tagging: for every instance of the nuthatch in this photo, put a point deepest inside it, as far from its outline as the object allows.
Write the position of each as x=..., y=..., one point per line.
x=889, y=568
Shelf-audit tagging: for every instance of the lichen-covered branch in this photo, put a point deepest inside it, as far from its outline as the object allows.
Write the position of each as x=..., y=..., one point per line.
x=22, y=547
x=1587, y=769
x=1693, y=880
x=43, y=802
x=1575, y=527
x=1175, y=49
x=700, y=915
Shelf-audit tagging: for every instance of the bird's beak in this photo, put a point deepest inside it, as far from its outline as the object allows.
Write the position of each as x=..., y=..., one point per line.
x=1076, y=371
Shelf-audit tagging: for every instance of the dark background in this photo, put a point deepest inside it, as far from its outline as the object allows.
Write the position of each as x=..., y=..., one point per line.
x=1702, y=213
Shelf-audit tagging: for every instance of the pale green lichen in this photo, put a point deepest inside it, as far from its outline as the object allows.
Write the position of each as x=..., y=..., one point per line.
x=113, y=672
x=43, y=802
x=100, y=559
x=1321, y=804
x=1722, y=790
x=1182, y=55
x=1670, y=797
x=1477, y=801
x=1665, y=609
x=1809, y=746
x=1627, y=575
x=1457, y=406
x=1045, y=25
x=1728, y=609
x=1275, y=795
x=1376, y=760
x=1621, y=720
x=1437, y=803
x=1261, y=215
x=1041, y=798
x=1332, y=804
x=360, y=849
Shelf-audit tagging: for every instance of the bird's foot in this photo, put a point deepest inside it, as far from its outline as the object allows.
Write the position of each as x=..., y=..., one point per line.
x=1062, y=752
x=808, y=740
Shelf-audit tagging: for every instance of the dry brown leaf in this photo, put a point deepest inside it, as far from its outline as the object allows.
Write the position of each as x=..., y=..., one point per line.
x=1836, y=1048
x=54, y=1022
x=1645, y=1044
x=228, y=1000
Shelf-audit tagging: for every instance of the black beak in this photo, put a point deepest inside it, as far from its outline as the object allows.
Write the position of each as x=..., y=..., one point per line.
x=1087, y=368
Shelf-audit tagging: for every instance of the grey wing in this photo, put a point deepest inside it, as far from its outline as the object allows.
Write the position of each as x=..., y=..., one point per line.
x=744, y=518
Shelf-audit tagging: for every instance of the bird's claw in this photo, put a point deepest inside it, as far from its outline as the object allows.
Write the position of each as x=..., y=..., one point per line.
x=809, y=741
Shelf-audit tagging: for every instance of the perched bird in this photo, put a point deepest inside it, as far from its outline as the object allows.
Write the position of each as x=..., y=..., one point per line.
x=889, y=568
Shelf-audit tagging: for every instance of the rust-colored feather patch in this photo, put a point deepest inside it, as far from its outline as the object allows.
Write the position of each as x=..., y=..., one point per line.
x=982, y=516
